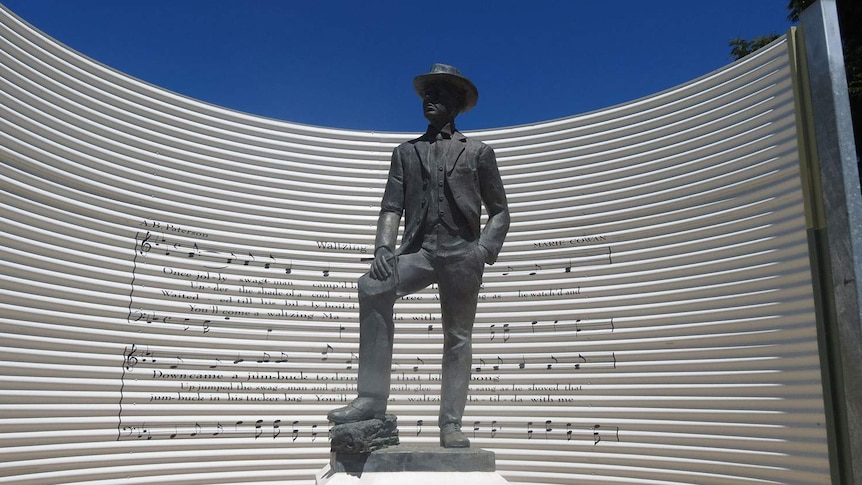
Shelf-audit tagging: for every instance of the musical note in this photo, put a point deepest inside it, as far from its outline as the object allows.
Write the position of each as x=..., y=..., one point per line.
x=475, y=427
x=481, y=365
x=594, y=360
x=283, y=359
x=506, y=332
x=289, y=268
x=219, y=429
x=264, y=359
x=195, y=252
x=580, y=257
x=416, y=367
x=419, y=424
x=174, y=434
x=272, y=261
x=530, y=430
x=492, y=332
x=575, y=326
x=568, y=431
x=313, y=432
x=325, y=353
x=499, y=363
x=598, y=360
x=179, y=362
x=141, y=431
x=238, y=359
x=295, y=430
x=548, y=428
x=596, y=436
x=276, y=428
x=258, y=428
x=218, y=363
x=246, y=262
x=196, y=431
x=494, y=428
x=523, y=363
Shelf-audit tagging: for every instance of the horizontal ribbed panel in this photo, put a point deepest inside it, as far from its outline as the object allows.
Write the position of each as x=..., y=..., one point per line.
x=178, y=287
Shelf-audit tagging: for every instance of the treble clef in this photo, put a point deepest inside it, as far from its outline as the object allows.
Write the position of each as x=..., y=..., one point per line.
x=130, y=360
x=145, y=245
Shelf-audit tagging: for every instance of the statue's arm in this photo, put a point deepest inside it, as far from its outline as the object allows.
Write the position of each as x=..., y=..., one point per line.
x=391, y=208
x=494, y=198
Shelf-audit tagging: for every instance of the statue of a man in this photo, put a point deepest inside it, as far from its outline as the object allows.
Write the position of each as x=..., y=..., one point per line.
x=439, y=183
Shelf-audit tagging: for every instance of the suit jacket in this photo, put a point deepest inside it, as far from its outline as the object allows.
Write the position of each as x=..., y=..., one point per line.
x=474, y=180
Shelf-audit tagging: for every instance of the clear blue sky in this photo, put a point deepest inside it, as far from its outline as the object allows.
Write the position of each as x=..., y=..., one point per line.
x=350, y=64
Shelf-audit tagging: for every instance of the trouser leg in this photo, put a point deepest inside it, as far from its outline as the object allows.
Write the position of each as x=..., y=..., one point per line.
x=459, y=283
x=376, y=328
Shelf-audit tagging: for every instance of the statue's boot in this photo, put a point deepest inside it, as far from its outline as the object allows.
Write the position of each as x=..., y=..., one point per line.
x=451, y=436
x=360, y=409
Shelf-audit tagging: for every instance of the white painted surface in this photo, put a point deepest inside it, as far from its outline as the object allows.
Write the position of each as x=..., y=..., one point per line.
x=678, y=347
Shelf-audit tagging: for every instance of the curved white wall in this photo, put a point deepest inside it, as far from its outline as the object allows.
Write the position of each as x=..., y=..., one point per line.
x=178, y=287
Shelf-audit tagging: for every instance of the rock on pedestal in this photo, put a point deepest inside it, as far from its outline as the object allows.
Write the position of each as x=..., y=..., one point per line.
x=363, y=437
x=413, y=465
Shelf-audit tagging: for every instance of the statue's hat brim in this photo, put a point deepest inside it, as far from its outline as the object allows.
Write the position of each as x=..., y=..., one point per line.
x=452, y=76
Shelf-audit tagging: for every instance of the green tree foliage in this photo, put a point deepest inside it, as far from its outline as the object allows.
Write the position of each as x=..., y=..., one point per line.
x=741, y=47
x=795, y=7
x=850, y=23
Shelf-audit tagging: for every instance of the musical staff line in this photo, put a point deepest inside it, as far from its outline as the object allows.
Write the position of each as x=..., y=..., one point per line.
x=526, y=263
x=574, y=327
x=150, y=243
x=256, y=429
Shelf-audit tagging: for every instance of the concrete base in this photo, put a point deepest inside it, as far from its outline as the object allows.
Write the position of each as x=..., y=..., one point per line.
x=326, y=477
x=414, y=465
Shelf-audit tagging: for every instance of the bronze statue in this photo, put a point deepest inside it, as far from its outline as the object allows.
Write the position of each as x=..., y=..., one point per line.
x=439, y=182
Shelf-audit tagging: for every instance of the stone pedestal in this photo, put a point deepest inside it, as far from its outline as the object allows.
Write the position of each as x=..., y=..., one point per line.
x=413, y=465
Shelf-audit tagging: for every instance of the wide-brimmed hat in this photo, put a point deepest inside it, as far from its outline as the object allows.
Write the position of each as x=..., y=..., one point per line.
x=452, y=76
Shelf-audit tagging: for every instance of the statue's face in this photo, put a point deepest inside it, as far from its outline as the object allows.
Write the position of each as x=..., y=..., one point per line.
x=440, y=103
